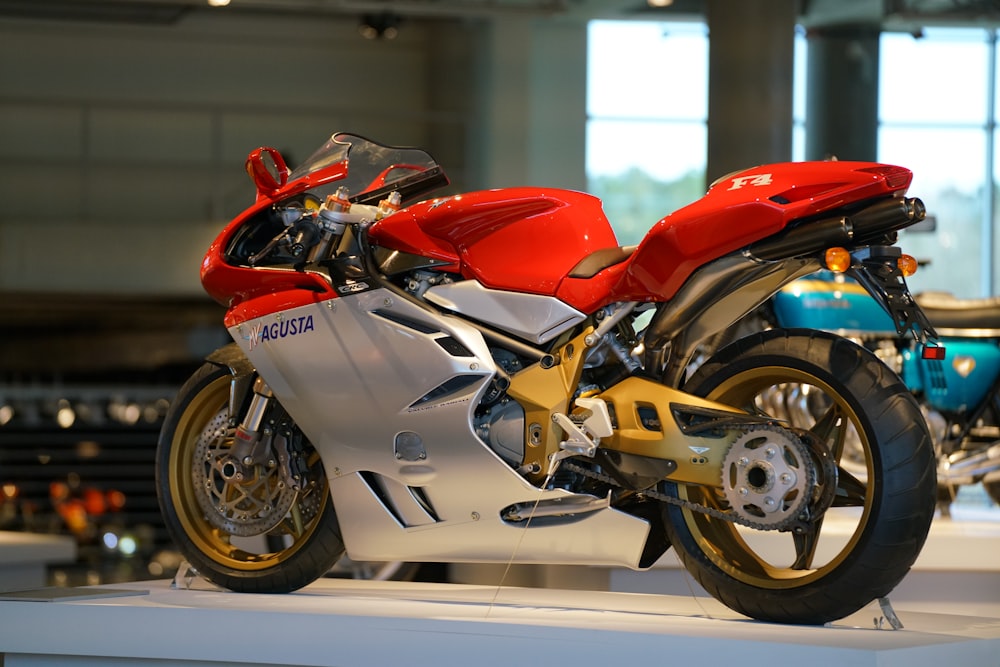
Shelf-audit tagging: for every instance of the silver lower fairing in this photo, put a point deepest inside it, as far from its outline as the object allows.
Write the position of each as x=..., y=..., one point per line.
x=386, y=391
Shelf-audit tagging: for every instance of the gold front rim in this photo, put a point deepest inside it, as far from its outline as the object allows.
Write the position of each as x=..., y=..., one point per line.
x=237, y=553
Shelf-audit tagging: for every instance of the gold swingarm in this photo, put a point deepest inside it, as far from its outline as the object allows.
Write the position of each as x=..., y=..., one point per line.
x=658, y=422
x=651, y=421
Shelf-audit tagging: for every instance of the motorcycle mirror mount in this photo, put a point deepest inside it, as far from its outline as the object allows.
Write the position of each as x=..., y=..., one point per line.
x=267, y=170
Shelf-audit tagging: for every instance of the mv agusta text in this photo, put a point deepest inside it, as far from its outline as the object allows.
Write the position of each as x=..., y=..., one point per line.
x=490, y=377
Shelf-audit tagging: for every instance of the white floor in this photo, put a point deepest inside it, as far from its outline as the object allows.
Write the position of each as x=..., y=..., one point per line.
x=949, y=606
x=959, y=565
x=343, y=622
x=24, y=557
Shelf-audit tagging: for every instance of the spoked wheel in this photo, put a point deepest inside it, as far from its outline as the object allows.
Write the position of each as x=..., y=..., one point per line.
x=834, y=562
x=245, y=529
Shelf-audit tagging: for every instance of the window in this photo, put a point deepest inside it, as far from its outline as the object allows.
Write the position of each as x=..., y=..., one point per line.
x=647, y=107
x=935, y=95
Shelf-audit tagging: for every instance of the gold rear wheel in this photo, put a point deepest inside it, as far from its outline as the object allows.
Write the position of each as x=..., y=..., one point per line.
x=859, y=415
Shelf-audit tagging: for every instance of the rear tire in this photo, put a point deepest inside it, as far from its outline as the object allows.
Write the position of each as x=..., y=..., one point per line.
x=871, y=535
x=993, y=491
x=298, y=546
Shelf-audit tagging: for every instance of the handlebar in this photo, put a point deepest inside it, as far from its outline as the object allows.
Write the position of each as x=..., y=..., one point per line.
x=311, y=235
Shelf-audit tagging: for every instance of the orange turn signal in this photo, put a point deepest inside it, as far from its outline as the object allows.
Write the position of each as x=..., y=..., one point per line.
x=837, y=260
x=907, y=265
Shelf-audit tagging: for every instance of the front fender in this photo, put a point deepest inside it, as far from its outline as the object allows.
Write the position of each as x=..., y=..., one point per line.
x=231, y=357
x=242, y=371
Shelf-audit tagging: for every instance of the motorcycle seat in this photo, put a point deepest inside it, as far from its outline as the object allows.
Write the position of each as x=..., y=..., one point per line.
x=597, y=261
x=947, y=311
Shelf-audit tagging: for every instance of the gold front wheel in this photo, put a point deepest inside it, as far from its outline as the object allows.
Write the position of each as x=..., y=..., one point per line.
x=242, y=527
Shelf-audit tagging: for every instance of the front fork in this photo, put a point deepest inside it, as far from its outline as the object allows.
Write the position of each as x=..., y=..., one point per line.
x=249, y=448
x=258, y=442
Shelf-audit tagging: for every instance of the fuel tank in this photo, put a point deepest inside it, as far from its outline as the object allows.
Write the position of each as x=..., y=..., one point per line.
x=520, y=239
x=839, y=305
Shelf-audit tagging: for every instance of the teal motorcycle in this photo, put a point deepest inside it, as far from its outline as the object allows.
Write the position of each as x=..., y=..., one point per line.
x=959, y=395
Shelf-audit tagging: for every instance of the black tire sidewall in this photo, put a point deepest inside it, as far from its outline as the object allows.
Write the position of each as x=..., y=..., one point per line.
x=903, y=482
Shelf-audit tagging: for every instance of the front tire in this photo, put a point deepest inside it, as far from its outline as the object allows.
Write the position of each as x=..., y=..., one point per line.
x=870, y=536
x=258, y=538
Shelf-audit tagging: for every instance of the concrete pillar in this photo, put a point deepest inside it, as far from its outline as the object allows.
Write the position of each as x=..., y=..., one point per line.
x=557, y=112
x=531, y=116
x=750, y=64
x=842, y=93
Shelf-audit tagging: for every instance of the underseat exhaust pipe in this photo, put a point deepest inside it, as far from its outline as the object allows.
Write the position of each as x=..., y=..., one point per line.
x=864, y=226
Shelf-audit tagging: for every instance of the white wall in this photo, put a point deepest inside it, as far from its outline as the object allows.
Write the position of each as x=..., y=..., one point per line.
x=121, y=146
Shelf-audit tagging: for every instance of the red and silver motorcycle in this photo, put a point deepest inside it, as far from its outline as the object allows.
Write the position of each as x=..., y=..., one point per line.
x=490, y=377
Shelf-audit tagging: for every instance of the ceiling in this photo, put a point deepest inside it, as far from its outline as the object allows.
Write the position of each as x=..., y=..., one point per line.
x=812, y=12
x=169, y=11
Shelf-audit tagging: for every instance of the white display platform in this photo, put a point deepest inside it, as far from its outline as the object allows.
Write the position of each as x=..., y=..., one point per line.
x=960, y=562
x=381, y=624
x=24, y=557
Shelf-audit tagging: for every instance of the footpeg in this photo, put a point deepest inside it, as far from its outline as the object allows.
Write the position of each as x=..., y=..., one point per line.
x=583, y=432
x=577, y=442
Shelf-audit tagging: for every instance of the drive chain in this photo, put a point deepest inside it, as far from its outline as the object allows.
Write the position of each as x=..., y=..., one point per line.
x=680, y=502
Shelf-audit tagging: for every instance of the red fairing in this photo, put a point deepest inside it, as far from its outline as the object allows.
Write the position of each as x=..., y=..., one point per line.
x=252, y=292
x=529, y=239
x=745, y=207
x=520, y=239
x=267, y=304
x=233, y=285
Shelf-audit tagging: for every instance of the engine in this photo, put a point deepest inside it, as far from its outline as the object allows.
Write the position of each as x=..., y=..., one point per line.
x=499, y=419
x=501, y=426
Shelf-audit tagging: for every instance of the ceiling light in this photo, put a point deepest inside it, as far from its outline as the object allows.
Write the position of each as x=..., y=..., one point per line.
x=379, y=26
